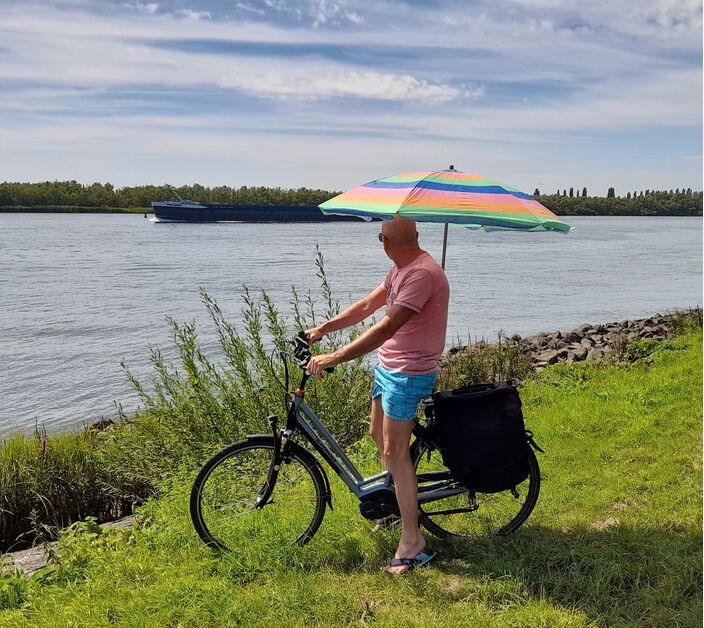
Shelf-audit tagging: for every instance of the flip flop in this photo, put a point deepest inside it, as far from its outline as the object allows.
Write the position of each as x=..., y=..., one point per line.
x=420, y=560
x=386, y=522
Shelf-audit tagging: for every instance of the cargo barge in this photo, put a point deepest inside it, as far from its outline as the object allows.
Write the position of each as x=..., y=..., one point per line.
x=187, y=211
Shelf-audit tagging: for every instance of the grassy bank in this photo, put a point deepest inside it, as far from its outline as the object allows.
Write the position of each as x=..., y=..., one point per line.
x=48, y=483
x=614, y=541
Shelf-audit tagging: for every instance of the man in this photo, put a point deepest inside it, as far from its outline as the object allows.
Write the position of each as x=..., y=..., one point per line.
x=410, y=338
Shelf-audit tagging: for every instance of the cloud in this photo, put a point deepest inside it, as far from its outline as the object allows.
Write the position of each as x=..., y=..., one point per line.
x=319, y=12
x=149, y=8
x=190, y=14
x=328, y=84
x=244, y=6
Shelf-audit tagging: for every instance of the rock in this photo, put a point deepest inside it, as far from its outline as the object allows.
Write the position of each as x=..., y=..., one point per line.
x=547, y=357
x=587, y=342
x=516, y=338
x=572, y=336
x=31, y=560
x=102, y=424
x=580, y=354
x=595, y=354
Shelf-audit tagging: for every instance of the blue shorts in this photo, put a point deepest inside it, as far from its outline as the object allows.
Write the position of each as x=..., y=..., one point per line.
x=400, y=392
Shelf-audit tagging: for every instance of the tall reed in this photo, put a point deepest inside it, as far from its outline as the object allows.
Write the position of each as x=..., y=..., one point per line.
x=196, y=405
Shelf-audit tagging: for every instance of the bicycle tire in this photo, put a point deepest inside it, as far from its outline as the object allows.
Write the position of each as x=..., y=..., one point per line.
x=497, y=514
x=227, y=486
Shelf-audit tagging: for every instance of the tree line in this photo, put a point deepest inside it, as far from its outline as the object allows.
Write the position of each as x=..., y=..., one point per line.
x=105, y=195
x=651, y=203
x=63, y=194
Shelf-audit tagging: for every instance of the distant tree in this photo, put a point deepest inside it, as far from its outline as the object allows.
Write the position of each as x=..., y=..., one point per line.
x=611, y=193
x=571, y=192
x=689, y=191
x=564, y=192
x=628, y=195
x=641, y=193
x=537, y=192
x=647, y=192
x=584, y=192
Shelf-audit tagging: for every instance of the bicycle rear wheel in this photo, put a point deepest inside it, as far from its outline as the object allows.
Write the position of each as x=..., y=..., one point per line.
x=480, y=514
x=227, y=492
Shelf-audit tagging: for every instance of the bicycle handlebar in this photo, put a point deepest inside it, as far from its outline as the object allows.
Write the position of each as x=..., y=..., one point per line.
x=302, y=353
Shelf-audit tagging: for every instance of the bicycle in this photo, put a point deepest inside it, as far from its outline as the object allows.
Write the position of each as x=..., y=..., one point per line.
x=270, y=482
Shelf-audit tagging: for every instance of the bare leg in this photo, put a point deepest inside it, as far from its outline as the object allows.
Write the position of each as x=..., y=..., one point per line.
x=376, y=427
x=397, y=436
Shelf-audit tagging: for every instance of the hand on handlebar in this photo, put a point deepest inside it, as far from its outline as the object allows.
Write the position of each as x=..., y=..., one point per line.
x=314, y=334
x=320, y=363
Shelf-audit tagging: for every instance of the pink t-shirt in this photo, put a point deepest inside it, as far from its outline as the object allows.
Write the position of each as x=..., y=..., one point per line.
x=422, y=287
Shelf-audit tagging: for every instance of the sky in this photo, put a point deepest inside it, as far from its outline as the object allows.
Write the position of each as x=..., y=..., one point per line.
x=334, y=93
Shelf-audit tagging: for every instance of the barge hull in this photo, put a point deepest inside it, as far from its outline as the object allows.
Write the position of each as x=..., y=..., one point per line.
x=169, y=211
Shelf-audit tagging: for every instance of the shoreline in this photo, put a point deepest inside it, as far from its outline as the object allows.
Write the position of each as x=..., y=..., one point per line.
x=599, y=342
x=76, y=474
x=615, y=345
x=71, y=209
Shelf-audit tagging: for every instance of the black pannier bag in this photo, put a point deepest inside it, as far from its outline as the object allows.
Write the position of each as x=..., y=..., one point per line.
x=480, y=433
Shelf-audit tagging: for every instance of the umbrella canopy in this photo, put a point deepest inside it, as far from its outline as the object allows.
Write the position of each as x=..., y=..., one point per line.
x=446, y=196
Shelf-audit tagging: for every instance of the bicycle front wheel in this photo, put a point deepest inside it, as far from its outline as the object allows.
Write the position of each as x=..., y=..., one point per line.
x=226, y=496
x=479, y=514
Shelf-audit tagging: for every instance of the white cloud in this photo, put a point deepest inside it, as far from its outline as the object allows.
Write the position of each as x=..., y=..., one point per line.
x=149, y=8
x=330, y=84
x=245, y=6
x=191, y=14
x=319, y=12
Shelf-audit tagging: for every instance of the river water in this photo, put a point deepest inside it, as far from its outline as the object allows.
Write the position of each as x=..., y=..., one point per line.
x=81, y=293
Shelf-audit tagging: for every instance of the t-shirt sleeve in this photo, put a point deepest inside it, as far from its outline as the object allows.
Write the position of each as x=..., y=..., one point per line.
x=416, y=289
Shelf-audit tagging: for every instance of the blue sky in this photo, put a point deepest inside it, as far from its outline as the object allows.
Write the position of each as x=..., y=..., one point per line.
x=334, y=93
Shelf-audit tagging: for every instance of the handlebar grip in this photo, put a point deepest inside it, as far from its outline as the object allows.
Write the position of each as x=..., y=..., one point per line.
x=302, y=344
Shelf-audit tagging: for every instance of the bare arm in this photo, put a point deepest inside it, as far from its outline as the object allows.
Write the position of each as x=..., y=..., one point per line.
x=374, y=337
x=354, y=314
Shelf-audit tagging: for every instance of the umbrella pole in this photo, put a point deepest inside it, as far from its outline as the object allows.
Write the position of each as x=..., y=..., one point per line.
x=444, y=247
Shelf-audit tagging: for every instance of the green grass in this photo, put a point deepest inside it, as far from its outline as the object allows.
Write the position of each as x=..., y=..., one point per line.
x=614, y=541
x=49, y=482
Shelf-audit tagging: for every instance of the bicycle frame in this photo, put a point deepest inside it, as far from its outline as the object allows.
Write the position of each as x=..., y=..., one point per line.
x=302, y=417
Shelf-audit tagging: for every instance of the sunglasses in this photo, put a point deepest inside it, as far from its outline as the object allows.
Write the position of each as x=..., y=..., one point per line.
x=381, y=237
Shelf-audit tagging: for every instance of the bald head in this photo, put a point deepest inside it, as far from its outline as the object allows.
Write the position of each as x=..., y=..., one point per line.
x=400, y=231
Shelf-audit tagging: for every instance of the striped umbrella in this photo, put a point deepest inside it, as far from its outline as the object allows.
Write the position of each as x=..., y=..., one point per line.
x=446, y=196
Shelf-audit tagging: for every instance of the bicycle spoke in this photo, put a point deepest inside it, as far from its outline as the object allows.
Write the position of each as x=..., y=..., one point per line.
x=226, y=500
